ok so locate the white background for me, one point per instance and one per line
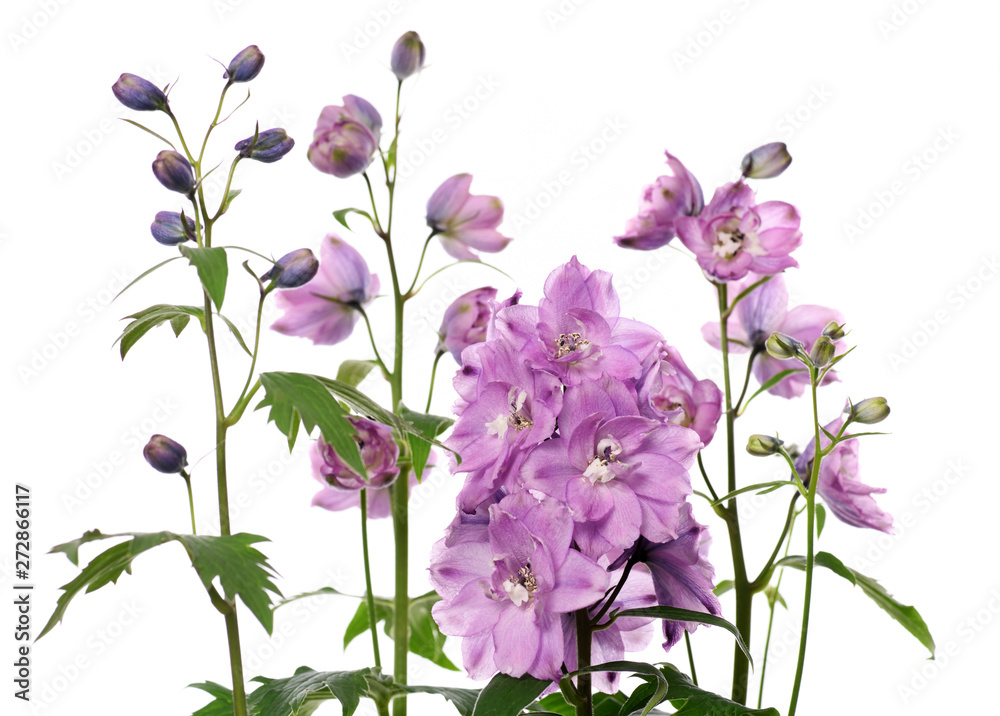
(562, 110)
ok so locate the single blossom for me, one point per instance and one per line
(669, 391)
(506, 595)
(346, 137)
(465, 321)
(849, 499)
(379, 453)
(763, 312)
(326, 309)
(465, 222)
(663, 202)
(734, 235)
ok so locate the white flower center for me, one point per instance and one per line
(599, 469)
(729, 241)
(512, 419)
(521, 586)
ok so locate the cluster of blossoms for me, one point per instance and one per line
(576, 428)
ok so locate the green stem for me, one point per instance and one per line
(253, 359)
(371, 196)
(810, 546)
(371, 337)
(770, 619)
(584, 634)
(420, 264)
(746, 381)
(187, 481)
(369, 595)
(765, 574)
(430, 391)
(744, 597)
(687, 642)
(708, 483)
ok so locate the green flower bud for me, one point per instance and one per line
(782, 346)
(767, 161)
(763, 445)
(868, 411)
(834, 331)
(822, 352)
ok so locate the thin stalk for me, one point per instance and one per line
(770, 619)
(708, 483)
(253, 360)
(371, 196)
(187, 481)
(430, 391)
(810, 547)
(420, 264)
(746, 381)
(744, 597)
(369, 595)
(765, 574)
(694, 674)
(584, 634)
(371, 337)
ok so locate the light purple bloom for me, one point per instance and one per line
(464, 222)
(346, 137)
(734, 235)
(506, 595)
(663, 202)
(669, 391)
(325, 309)
(849, 499)
(379, 453)
(762, 313)
(465, 321)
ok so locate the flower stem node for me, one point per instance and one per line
(868, 411)
(141, 95)
(292, 270)
(408, 55)
(245, 66)
(782, 346)
(165, 455)
(267, 146)
(767, 161)
(171, 228)
(174, 172)
(763, 445)
(822, 352)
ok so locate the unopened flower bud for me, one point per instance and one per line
(767, 161)
(868, 411)
(782, 346)
(407, 55)
(822, 352)
(136, 93)
(268, 146)
(834, 331)
(174, 172)
(245, 66)
(292, 270)
(171, 228)
(465, 321)
(164, 454)
(763, 445)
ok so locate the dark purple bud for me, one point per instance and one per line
(171, 228)
(136, 93)
(245, 66)
(407, 55)
(174, 172)
(293, 269)
(164, 454)
(270, 146)
(766, 161)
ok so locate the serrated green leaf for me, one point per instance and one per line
(643, 670)
(295, 397)
(221, 705)
(907, 616)
(464, 700)
(820, 519)
(352, 372)
(506, 696)
(283, 697)
(426, 639)
(689, 700)
(213, 270)
(341, 216)
(429, 426)
(687, 615)
(148, 318)
(242, 570)
(236, 332)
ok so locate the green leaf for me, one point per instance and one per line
(645, 671)
(774, 596)
(143, 275)
(236, 333)
(149, 318)
(463, 699)
(820, 519)
(426, 639)
(306, 595)
(213, 270)
(506, 696)
(233, 193)
(295, 397)
(150, 131)
(303, 693)
(907, 616)
(724, 586)
(686, 615)
(352, 372)
(764, 487)
(242, 570)
(429, 426)
(222, 705)
(689, 700)
(391, 154)
(341, 216)
(770, 383)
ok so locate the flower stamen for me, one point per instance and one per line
(521, 587)
(568, 343)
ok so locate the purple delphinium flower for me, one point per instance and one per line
(379, 453)
(764, 312)
(464, 222)
(325, 309)
(663, 202)
(465, 321)
(346, 137)
(669, 391)
(734, 235)
(849, 499)
(506, 595)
